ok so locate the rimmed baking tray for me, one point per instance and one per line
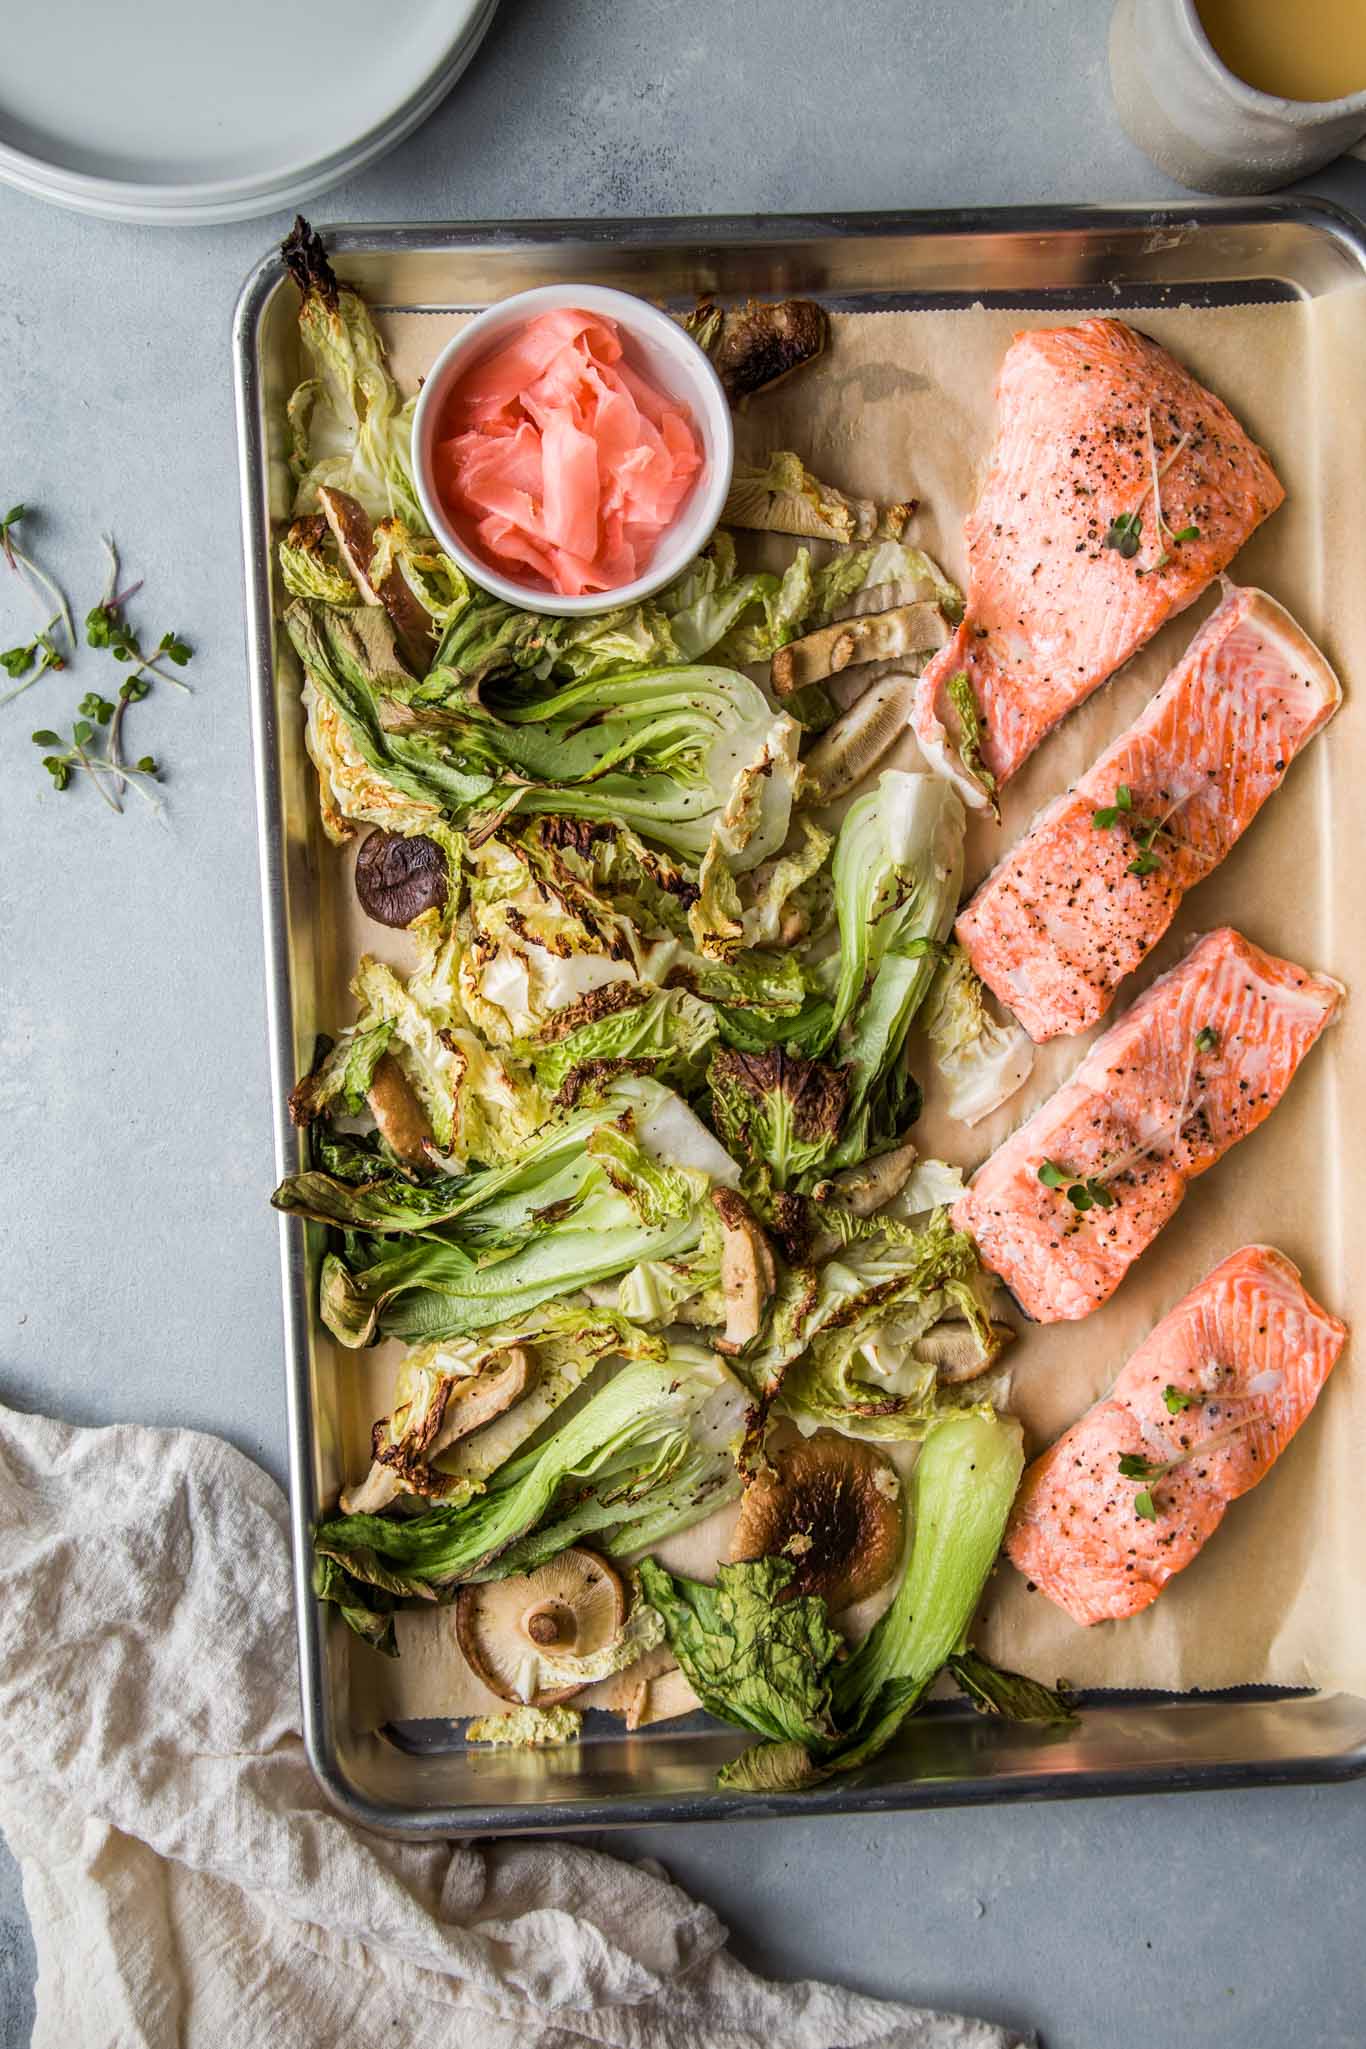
(419, 1780)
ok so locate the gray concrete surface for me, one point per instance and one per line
(137, 1259)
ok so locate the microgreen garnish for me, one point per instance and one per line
(99, 718)
(31, 659)
(1146, 831)
(960, 694)
(106, 627)
(78, 757)
(1177, 1399)
(1126, 528)
(1134, 1466)
(1125, 535)
(1207, 1040)
(1083, 1192)
(1108, 813)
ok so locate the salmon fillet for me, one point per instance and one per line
(1196, 1064)
(1084, 414)
(1063, 918)
(1248, 1350)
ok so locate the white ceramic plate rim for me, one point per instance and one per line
(219, 200)
(682, 541)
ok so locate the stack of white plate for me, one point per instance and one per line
(182, 113)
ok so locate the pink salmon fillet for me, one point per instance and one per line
(1063, 918)
(1249, 1350)
(1196, 1064)
(1084, 414)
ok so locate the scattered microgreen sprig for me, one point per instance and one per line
(1207, 1040)
(29, 660)
(1082, 1191)
(98, 717)
(107, 771)
(1146, 831)
(106, 627)
(1134, 1466)
(1125, 532)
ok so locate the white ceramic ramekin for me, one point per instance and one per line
(663, 352)
(1201, 124)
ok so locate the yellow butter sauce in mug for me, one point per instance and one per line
(1297, 49)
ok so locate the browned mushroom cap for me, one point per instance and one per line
(570, 1607)
(396, 1110)
(833, 1506)
(398, 877)
(755, 346)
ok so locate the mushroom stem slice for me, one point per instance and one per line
(749, 1272)
(872, 637)
(858, 739)
(503, 1625)
(661, 1699)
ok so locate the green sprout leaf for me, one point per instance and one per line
(1207, 1040)
(1054, 1176)
(1145, 1506)
(1126, 534)
(1178, 1398)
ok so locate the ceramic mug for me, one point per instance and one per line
(1201, 124)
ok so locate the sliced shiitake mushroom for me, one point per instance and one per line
(394, 1105)
(355, 538)
(872, 1184)
(748, 1272)
(956, 1351)
(570, 1607)
(399, 876)
(833, 1506)
(463, 1406)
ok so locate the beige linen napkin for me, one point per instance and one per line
(188, 1887)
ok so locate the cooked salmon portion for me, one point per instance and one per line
(1118, 489)
(1063, 1209)
(1092, 887)
(1199, 1415)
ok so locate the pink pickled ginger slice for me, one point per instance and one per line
(559, 463)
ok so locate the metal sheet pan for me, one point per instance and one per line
(418, 1781)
